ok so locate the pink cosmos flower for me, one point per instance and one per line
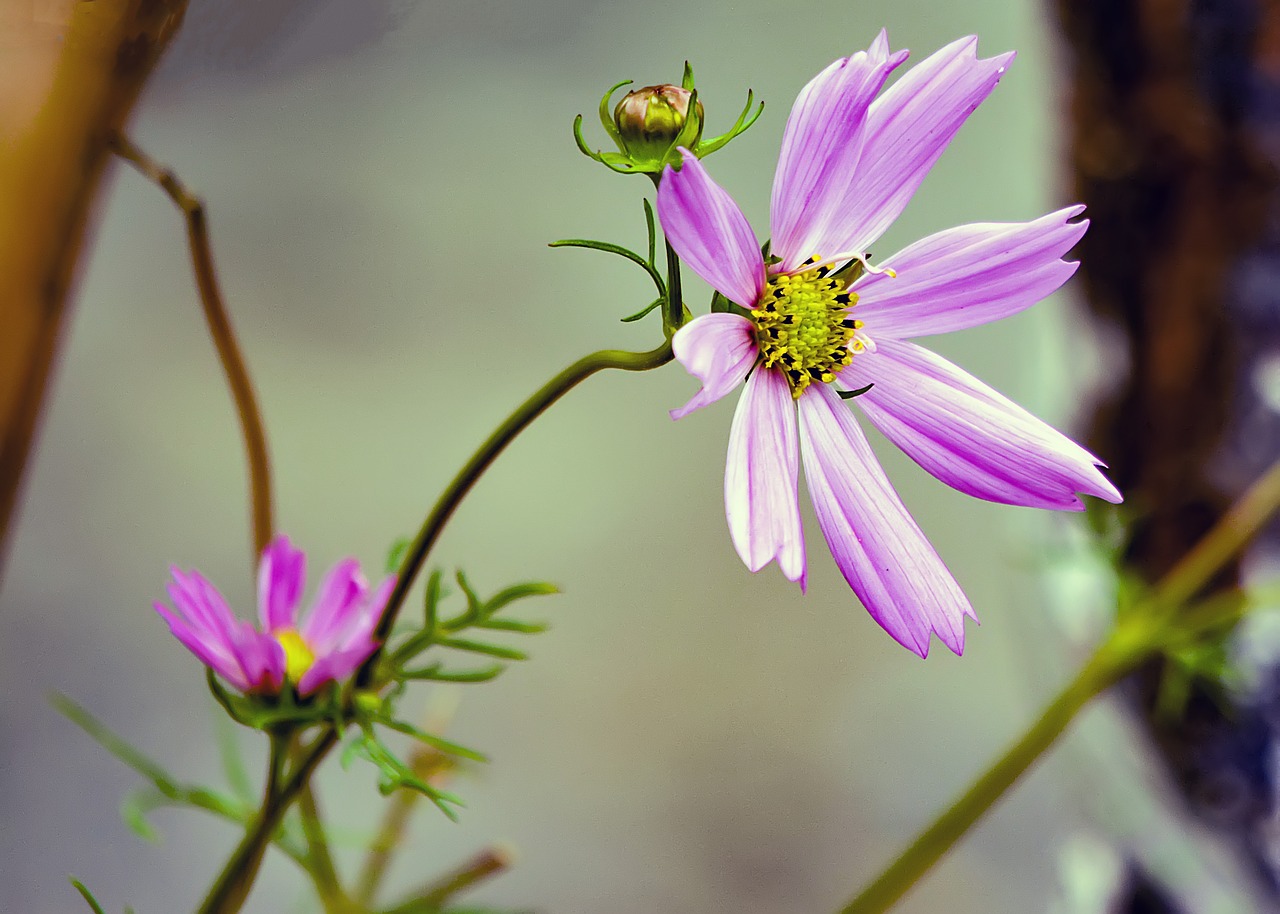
(335, 638)
(849, 164)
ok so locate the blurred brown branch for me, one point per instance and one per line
(70, 72)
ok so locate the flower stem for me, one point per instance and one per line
(232, 886)
(1097, 675)
(224, 338)
(674, 315)
(1138, 636)
(480, 461)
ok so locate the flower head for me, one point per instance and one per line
(328, 645)
(816, 325)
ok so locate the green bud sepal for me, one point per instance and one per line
(649, 126)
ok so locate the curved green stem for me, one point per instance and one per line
(1138, 636)
(1099, 673)
(481, 460)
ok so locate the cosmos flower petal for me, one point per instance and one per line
(876, 544)
(709, 232)
(338, 632)
(281, 574)
(262, 657)
(762, 477)
(341, 593)
(968, 435)
(335, 665)
(908, 128)
(717, 349)
(208, 646)
(821, 148)
(201, 603)
(970, 275)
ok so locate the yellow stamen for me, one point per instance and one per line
(803, 325)
(297, 655)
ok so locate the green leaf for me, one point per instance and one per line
(643, 311)
(107, 739)
(518, 592)
(397, 552)
(618, 249)
(86, 895)
(448, 747)
(481, 647)
(514, 625)
(436, 673)
(395, 774)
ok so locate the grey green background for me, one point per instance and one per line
(689, 737)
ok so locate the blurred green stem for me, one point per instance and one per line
(1136, 637)
(484, 457)
(232, 886)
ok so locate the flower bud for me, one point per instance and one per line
(651, 118)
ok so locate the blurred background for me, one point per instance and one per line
(382, 180)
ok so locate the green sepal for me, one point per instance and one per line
(614, 160)
(686, 81)
(606, 115)
(687, 137)
(740, 126)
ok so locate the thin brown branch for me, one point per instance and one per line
(488, 863)
(224, 338)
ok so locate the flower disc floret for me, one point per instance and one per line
(803, 326)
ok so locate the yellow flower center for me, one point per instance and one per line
(297, 655)
(803, 326)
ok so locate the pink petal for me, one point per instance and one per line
(821, 149)
(281, 575)
(341, 593)
(709, 232)
(908, 128)
(970, 436)
(335, 666)
(762, 477)
(208, 647)
(717, 349)
(969, 275)
(877, 545)
(262, 658)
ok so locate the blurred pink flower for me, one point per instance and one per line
(328, 646)
(849, 164)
